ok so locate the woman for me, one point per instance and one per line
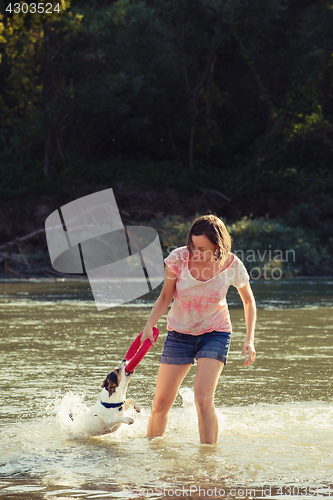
(197, 276)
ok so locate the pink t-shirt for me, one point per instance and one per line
(201, 306)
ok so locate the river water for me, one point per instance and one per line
(275, 418)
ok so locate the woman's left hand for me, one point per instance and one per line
(249, 347)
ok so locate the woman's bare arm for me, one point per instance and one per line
(250, 313)
(161, 304)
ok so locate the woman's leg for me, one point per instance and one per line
(208, 373)
(169, 378)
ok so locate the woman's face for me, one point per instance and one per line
(203, 249)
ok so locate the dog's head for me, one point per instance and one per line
(115, 377)
(112, 381)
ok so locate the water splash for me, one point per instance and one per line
(258, 445)
(67, 410)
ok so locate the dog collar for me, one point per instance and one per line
(112, 405)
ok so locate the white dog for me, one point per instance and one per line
(107, 414)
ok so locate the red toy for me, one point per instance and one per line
(137, 351)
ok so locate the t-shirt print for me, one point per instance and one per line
(201, 306)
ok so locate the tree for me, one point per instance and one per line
(35, 87)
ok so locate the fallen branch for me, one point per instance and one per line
(15, 272)
(23, 256)
(17, 241)
(7, 256)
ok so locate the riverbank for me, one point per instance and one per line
(270, 247)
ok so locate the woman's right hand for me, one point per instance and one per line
(148, 334)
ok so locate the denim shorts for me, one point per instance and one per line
(182, 348)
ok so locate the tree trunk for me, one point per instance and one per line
(171, 137)
(210, 78)
(61, 152)
(48, 87)
(264, 94)
(46, 169)
(208, 73)
(191, 149)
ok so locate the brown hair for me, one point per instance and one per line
(214, 229)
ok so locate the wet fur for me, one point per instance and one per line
(100, 420)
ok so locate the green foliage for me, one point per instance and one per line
(173, 231)
(145, 173)
(296, 250)
(20, 179)
(260, 242)
(111, 91)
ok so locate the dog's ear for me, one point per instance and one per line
(111, 389)
(109, 386)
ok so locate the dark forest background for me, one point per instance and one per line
(183, 108)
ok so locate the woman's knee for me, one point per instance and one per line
(161, 405)
(204, 402)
